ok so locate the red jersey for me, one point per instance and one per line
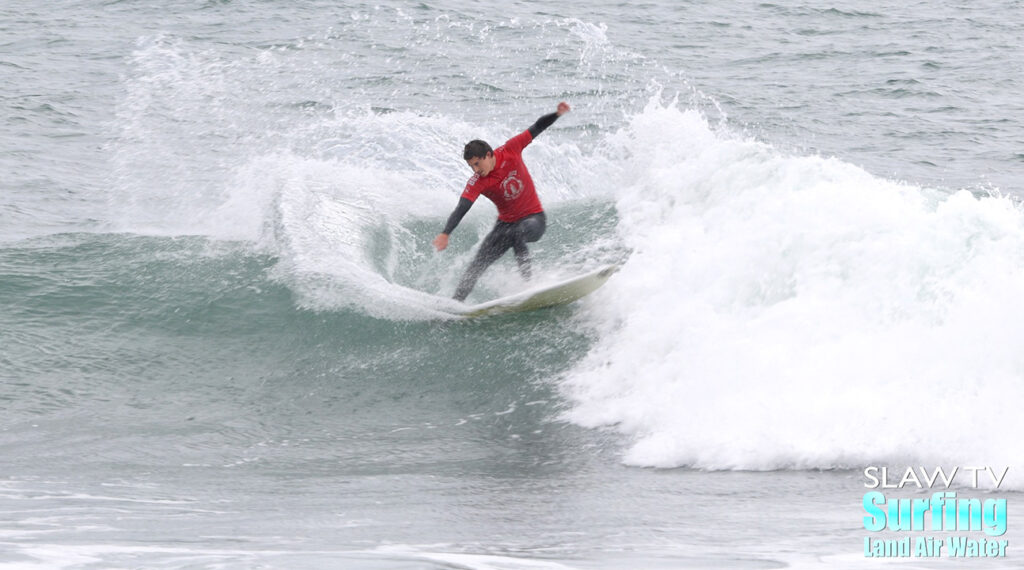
(509, 185)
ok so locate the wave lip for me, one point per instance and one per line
(798, 312)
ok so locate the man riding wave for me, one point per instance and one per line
(501, 176)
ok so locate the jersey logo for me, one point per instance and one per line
(512, 186)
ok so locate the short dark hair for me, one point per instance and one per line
(476, 149)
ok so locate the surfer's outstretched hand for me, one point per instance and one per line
(563, 108)
(441, 242)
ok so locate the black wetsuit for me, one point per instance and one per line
(505, 235)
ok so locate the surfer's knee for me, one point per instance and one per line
(532, 228)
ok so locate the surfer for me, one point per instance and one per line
(501, 176)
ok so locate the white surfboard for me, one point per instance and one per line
(546, 296)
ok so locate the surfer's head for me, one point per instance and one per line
(479, 157)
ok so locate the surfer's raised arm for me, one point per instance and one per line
(548, 120)
(480, 157)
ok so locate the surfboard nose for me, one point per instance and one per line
(607, 271)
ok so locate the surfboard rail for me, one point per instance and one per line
(541, 297)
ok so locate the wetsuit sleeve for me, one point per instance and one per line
(453, 220)
(542, 123)
(517, 143)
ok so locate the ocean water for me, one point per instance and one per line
(223, 337)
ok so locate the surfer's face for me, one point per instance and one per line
(482, 166)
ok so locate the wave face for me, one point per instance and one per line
(797, 312)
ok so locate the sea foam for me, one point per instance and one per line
(798, 312)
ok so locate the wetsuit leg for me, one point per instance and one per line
(527, 230)
(503, 237)
(494, 246)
